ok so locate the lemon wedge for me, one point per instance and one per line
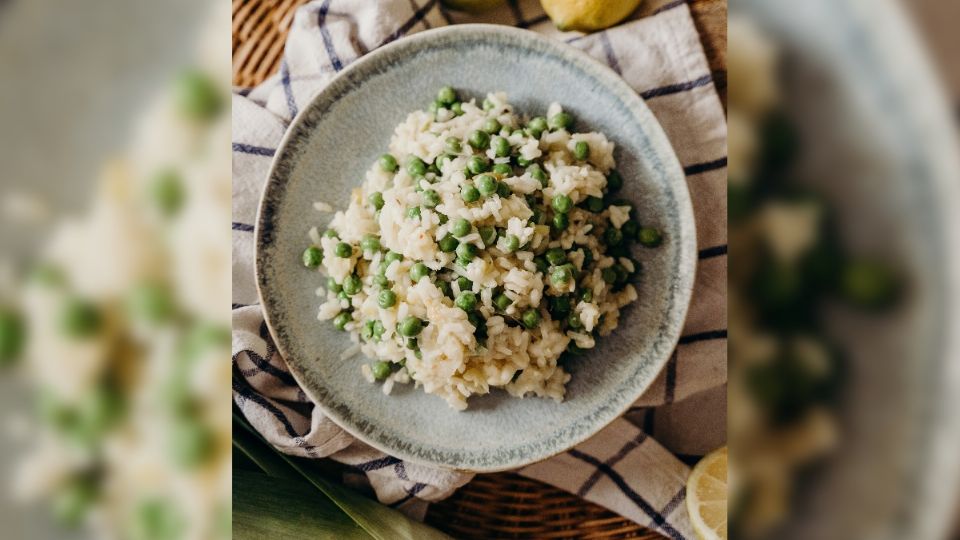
(707, 496)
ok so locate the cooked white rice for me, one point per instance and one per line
(453, 356)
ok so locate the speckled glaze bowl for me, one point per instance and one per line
(326, 153)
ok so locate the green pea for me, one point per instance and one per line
(560, 222)
(487, 104)
(573, 321)
(559, 306)
(447, 95)
(621, 274)
(614, 181)
(416, 167)
(442, 218)
(561, 120)
(341, 320)
(430, 198)
(80, 319)
(469, 193)
(376, 200)
(366, 332)
(452, 145)
(47, 275)
(167, 192)
(538, 174)
(503, 190)
(512, 243)
(466, 301)
(342, 295)
(343, 250)
(581, 150)
(370, 243)
(413, 212)
(448, 243)
(478, 322)
(445, 288)
(537, 126)
(560, 275)
(867, 283)
(491, 126)
(151, 302)
(479, 139)
(381, 280)
(330, 233)
(523, 162)
(433, 107)
(612, 236)
(410, 327)
(556, 256)
(486, 184)
(609, 275)
(387, 299)
(197, 96)
(443, 160)
(586, 295)
(500, 146)
(466, 252)
(530, 318)
(488, 234)
(457, 109)
(464, 283)
(312, 257)
(594, 204)
(503, 169)
(460, 228)
(630, 230)
(502, 301)
(419, 271)
(542, 264)
(332, 285)
(380, 370)
(478, 164)
(352, 284)
(561, 203)
(388, 163)
(73, 500)
(649, 237)
(13, 333)
(537, 216)
(392, 256)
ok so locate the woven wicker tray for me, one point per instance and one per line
(498, 505)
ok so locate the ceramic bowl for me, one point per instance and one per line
(326, 152)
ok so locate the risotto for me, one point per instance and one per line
(484, 250)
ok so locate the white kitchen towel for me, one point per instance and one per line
(623, 468)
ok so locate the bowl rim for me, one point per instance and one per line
(687, 245)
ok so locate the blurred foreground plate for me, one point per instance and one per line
(879, 141)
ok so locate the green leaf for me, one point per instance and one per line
(379, 521)
(267, 507)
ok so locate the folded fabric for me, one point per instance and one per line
(622, 468)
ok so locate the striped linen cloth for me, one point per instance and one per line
(637, 465)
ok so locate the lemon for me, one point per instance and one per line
(588, 15)
(472, 6)
(707, 496)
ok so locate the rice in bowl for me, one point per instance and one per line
(482, 251)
